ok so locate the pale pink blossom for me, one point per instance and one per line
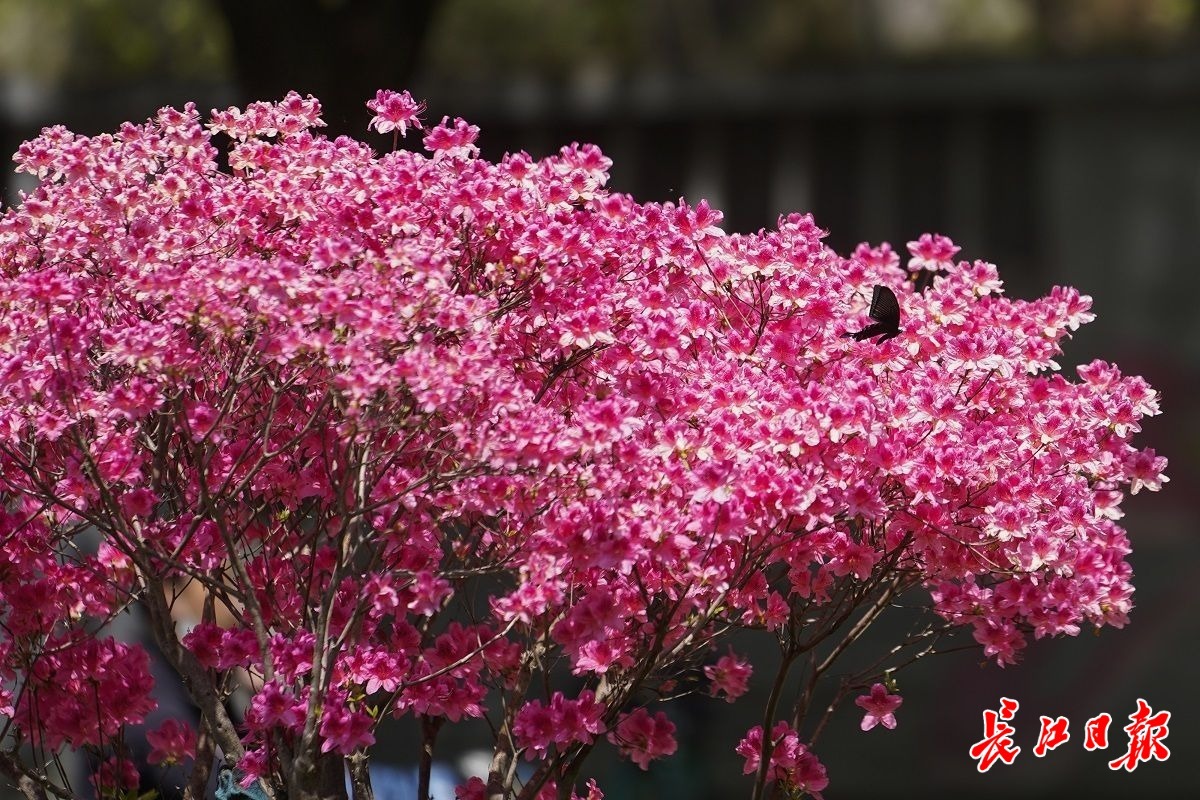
(395, 111)
(932, 252)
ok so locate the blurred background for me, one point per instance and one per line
(1059, 139)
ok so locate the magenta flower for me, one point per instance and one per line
(562, 723)
(643, 738)
(394, 111)
(171, 743)
(455, 140)
(792, 764)
(115, 676)
(534, 728)
(275, 706)
(932, 251)
(730, 676)
(473, 789)
(880, 707)
(139, 502)
(115, 777)
(204, 640)
(343, 728)
(433, 435)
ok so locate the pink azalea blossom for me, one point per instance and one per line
(593, 791)
(730, 676)
(456, 139)
(434, 436)
(880, 707)
(395, 111)
(275, 706)
(932, 251)
(171, 743)
(563, 722)
(139, 502)
(71, 672)
(473, 789)
(643, 738)
(114, 777)
(343, 728)
(791, 762)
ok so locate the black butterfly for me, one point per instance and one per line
(885, 310)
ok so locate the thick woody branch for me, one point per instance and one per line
(196, 679)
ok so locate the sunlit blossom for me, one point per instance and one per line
(433, 430)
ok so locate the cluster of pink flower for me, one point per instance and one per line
(792, 763)
(345, 391)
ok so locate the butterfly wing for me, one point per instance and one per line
(885, 310)
(230, 788)
(226, 785)
(884, 307)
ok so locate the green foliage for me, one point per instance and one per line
(100, 42)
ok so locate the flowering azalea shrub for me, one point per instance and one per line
(444, 438)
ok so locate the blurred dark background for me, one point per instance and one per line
(1057, 138)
